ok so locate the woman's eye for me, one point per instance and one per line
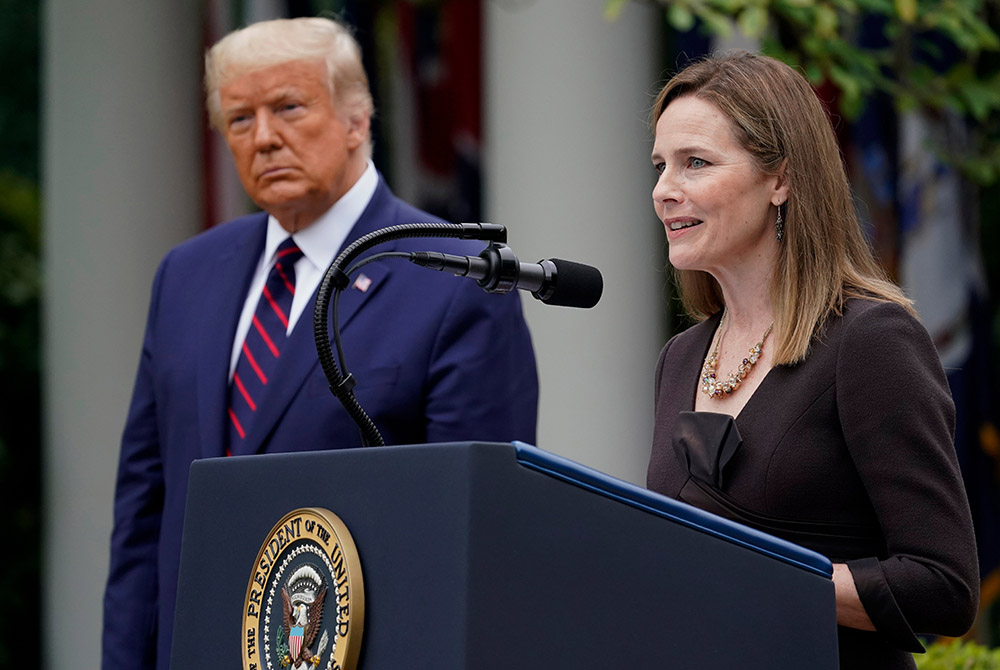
(696, 162)
(660, 167)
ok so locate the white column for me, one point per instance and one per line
(568, 173)
(122, 184)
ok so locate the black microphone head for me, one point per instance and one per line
(575, 285)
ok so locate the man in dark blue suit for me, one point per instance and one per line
(435, 358)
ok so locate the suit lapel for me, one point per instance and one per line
(380, 213)
(299, 356)
(223, 302)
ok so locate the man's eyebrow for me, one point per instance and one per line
(228, 110)
(283, 93)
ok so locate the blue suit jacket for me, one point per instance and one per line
(436, 360)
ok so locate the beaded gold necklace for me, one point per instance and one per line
(712, 386)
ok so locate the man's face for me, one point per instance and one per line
(295, 155)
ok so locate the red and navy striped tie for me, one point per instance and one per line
(262, 348)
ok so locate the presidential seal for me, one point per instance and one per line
(305, 602)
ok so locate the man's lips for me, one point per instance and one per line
(274, 172)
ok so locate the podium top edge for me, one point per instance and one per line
(600, 483)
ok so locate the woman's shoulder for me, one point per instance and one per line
(870, 333)
(874, 308)
(871, 317)
(867, 328)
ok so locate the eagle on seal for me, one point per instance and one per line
(302, 603)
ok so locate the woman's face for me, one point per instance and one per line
(717, 207)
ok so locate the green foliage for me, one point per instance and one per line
(20, 420)
(281, 646)
(20, 393)
(958, 656)
(936, 56)
(20, 245)
(19, 96)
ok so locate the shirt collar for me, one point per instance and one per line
(321, 240)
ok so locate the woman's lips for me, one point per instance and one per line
(680, 224)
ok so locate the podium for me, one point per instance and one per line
(485, 555)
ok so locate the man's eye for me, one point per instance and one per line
(660, 167)
(239, 121)
(696, 162)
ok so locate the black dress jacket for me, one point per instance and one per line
(849, 453)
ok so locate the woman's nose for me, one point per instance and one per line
(666, 187)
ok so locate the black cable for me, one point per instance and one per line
(336, 301)
(335, 279)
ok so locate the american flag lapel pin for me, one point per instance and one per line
(363, 282)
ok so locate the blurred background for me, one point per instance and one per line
(528, 113)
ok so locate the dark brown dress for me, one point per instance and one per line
(849, 453)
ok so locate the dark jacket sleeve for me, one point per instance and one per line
(130, 597)
(898, 420)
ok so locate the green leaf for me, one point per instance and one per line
(906, 10)
(796, 15)
(883, 7)
(957, 655)
(813, 44)
(952, 26)
(753, 21)
(813, 73)
(905, 102)
(851, 100)
(731, 6)
(613, 9)
(981, 100)
(794, 3)
(983, 34)
(848, 6)
(826, 21)
(716, 22)
(851, 106)
(680, 17)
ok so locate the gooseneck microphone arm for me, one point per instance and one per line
(336, 279)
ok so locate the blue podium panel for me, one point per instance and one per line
(494, 556)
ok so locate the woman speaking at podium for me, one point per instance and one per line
(808, 401)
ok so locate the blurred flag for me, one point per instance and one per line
(429, 56)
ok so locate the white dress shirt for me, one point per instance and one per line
(319, 243)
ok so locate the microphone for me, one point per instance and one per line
(497, 270)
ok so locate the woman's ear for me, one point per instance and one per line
(779, 193)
